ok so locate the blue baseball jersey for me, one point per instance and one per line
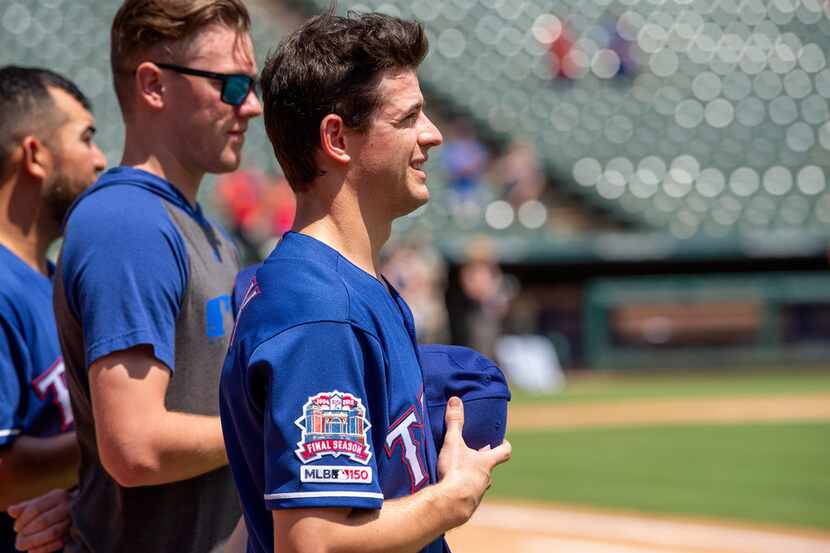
(34, 399)
(322, 396)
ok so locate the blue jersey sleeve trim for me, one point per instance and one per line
(298, 495)
(15, 366)
(8, 436)
(328, 501)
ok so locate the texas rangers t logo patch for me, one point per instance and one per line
(333, 423)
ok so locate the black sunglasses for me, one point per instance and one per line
(235, 88)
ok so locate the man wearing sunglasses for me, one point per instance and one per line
(235, 88)
(143, 283)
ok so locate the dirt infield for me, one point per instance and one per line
(516, 527)
(671, 411)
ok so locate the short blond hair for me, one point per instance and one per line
(142, 25)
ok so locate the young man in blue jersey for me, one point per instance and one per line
(47, 158)
(322, 394)
(143, 283)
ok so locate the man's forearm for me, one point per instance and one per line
(404, 525)
(169, 447)
(191, 445)
(32, 466)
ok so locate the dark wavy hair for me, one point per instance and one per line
(26, 106)
(331, 64)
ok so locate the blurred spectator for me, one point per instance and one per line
(238, 193)
(464, 158)
(561, 63)
(278, 206)
(487, 296)
(258, 207)
(622, 47)
(519, 172)
(420, 275)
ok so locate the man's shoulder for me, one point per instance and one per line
(293, 291)
(20, 298)
(115, 204)
(119, 238)
(117, 220)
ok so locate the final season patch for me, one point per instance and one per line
(333, 423)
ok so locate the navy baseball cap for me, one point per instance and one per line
(478, 381)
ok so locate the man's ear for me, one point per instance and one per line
(149, 85)
(333, 138)
(36, 159)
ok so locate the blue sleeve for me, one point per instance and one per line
(13, 354)
(319, 450)
(125, 271)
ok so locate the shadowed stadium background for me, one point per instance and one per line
(630, 212)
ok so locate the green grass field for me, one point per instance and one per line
(622, 386)
(772, 473)
(776, 473)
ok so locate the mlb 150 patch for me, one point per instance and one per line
(336, 475)
(333, 423)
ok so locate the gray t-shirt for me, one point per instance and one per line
(140, 265)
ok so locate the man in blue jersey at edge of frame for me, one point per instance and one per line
(322, 394)
(47, 158)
